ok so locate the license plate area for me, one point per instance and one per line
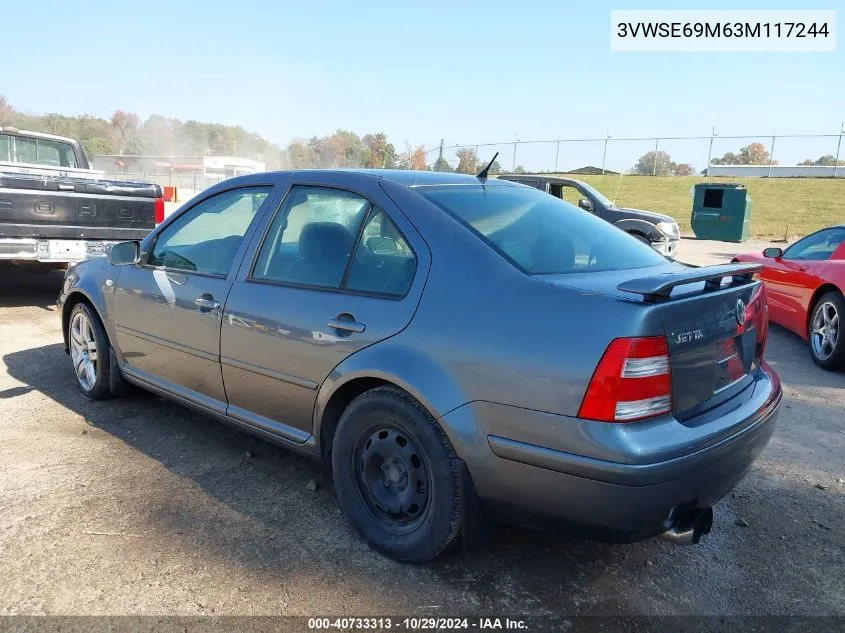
(67, 250)
(734, 358)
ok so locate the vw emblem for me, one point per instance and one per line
(740, 311)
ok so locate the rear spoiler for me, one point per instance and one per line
(658, 288)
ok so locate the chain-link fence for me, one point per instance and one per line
(777, 154)
(193, 181)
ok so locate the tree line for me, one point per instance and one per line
(125, 133)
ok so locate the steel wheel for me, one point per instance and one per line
(824, 330)
(83, 350)
(393, 478)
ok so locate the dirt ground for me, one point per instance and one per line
(142, 507)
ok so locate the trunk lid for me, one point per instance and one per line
(715, 321)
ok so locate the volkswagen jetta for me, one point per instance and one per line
(454, 347)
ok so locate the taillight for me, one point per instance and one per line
(159, 210)
(757, 316)
(633, 381)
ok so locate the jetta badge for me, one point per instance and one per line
(740, 311)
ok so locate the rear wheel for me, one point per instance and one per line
(397, 476)
(826, 345)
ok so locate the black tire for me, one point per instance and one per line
(100, 387)
(386, 427)
(830, 356)
(642, 238)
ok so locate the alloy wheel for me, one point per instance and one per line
(83, 350)
(824, 332)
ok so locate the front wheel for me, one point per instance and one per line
(89, 352)
(397, 476)
(826, 345)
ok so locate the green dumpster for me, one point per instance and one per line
(721, 211)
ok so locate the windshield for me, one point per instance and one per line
(539, 233)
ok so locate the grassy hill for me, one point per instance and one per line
(779, 205)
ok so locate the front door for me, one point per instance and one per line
(791, 279)
(337, 271)
(168, 307)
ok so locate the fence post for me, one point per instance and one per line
(710, 151)
(838, 147)
(771, 154)
(557, 153)
(654, 166)
(604, 154)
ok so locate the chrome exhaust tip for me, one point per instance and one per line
(689, 529)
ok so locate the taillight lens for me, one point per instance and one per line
(757, 316)
(159, 210)
(633, 381)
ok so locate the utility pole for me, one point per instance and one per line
(440, 157)
(557, 153)
(516, 137)
(604, 155)
(710, 151)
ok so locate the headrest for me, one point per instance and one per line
(324, 239)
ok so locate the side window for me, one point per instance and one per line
(384, 262)
(55, 153)
(26, 150)
(206, 238)
(571, 195)
(5, 148)
(817, 247)
(311, 237)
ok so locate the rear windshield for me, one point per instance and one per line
(541, 234)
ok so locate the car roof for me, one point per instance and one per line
(408, 178)
(542, 177)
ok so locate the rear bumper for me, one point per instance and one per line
(56, 251)
(621, 485)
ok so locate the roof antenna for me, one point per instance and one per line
(482, 175)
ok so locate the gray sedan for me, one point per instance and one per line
(457, 349)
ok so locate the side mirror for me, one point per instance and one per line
(773, 252)
(125, 253)
(585, 204)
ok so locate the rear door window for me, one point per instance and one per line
(311, 237)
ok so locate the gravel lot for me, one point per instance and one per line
(142, 507)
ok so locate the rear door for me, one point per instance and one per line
(338, 269)
(168, 308)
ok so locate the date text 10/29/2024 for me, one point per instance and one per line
(417, 624)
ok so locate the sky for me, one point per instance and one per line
(466, 72)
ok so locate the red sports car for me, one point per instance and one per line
(805, 285)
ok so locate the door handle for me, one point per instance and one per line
(346, 323)
(208, 302)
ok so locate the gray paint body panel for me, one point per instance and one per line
(501, 359)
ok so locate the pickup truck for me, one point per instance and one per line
(54, 208)
(659, 231)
